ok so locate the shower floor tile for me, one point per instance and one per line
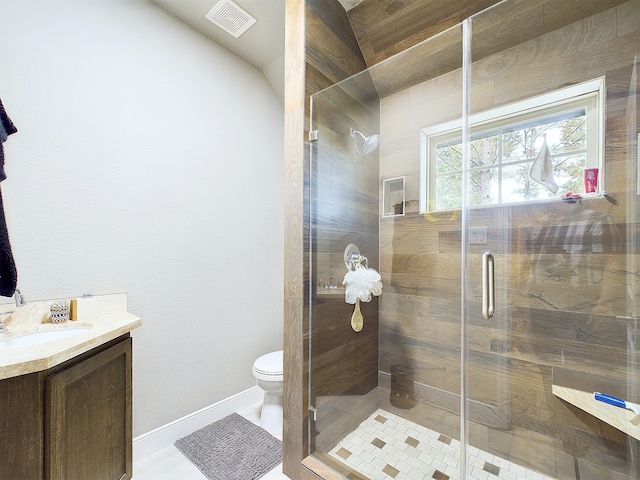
(388, 447)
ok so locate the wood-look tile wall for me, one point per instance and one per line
(559, 310)
(386, 27)
(320, 51)
(294, 354)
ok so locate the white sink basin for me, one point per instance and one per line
(38, 338)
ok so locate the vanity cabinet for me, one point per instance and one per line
(72, 422)
(21, 426)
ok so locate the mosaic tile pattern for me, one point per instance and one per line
(388, 447)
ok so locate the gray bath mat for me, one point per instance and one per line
(232, 448)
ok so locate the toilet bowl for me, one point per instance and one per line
(268, 371)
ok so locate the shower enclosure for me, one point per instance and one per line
(501, 209)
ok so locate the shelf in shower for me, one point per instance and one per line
(615, 416)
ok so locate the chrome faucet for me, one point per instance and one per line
(20, 301)
(2, 327)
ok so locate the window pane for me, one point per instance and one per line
(517, 186)
(562, 137)
(572, 136)
(485, 187)
(448, 192)
(569, 173)
(484, 151)
(519, 145)
(449, 159)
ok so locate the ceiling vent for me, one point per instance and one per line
(230, 17)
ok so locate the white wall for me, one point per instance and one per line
(149, 161)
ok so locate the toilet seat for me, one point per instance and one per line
(269, 367)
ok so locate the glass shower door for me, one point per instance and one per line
(394, 385)
(550, 224)
(343, 372)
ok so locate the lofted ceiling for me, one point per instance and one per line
(262, 44)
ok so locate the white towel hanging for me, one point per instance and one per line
(542, 169)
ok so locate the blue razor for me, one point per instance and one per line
(618, 402)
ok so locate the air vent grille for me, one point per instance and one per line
(230, 17)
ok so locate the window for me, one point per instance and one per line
(504, 144)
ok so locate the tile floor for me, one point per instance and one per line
(388, 447)
(171, 464)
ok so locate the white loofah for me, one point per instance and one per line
(361, 284)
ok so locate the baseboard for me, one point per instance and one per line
(166, 435)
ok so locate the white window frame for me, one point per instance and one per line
(529, 107)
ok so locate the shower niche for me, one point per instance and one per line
(393, 197)
(329, 282)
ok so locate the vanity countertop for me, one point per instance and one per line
(113, 322)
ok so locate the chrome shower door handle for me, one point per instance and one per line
(488, 286)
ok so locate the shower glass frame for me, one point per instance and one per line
(565, 270)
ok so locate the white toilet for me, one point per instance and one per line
(268, 371)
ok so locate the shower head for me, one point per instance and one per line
(369, 144)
